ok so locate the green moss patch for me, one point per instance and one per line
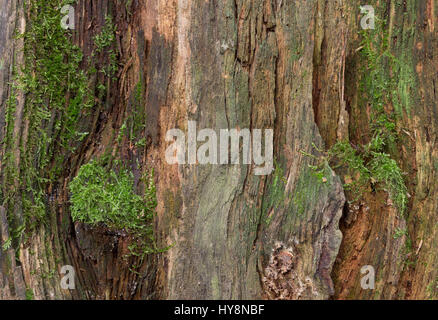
(105, 196)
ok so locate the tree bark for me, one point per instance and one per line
(291, 66)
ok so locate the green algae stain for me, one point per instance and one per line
(310, 185)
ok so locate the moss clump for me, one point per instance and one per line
(105, 40)
(372, 162)
(106, 37)
(384, 169)
(56, 97)
(105, 196)
(29, 294)
(369, 165)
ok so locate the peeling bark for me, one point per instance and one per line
(290, 66)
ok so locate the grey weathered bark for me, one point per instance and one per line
(292, 66)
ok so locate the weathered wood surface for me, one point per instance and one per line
(288, 65)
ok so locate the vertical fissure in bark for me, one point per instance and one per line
(292, 66)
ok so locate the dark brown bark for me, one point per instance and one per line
(293, 66)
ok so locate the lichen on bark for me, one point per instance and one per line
(130, 71)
